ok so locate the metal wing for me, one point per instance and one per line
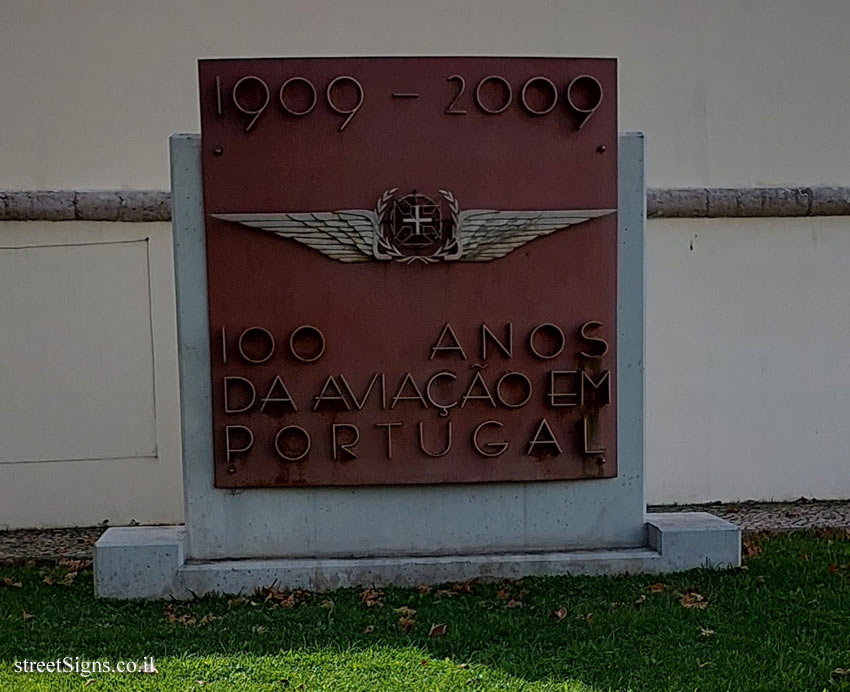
(487, 234)
(345, 236)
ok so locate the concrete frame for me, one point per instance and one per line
(322, 538)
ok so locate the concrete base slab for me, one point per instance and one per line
(148, 562)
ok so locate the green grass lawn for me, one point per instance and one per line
(782, 623)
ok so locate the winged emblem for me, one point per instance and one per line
(415, 228)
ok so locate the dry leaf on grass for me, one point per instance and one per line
(74, 565)
(327, 603)
(657, 587)
(751, 547)
(173, 617)
(437, 630)
(424, 589)
(513, 604)
(369, 629)
(558, 614)
(706, 632)
(372, 598)
(692, 599)
(841, 672)
(502, 595)
(283, 599)
(407, 621)
(26, 616)
(8, 581)
(463, 587)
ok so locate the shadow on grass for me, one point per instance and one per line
(779, 623)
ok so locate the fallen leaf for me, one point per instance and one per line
(588, 617)
(692, 599)
(259, 629)
(706, 632)
(462, 587)
(8, 581)
(173, 617)
(327, 603)
(281, 598)
(26, 616)
(558, 614)
(437, 630)
(407, 622)
(502, 595)
(446, 592)
(207, 619)
(372, 598)
(513, 604)
(841, 672)
(48, 581)
(833, 568)
(657, 587)
(751, 547)
(705, 664)
(75, 565)
(30, 563)
(641, 598)
(68, 579)
(423, 589)
(369, 629)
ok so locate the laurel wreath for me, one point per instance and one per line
(449, 246)
(380, 208)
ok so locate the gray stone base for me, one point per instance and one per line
(148, 562)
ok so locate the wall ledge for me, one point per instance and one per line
(662, 203)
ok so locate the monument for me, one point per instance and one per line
(410, 325)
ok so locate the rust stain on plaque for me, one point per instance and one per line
(412, 269)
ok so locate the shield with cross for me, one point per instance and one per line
(417, 225)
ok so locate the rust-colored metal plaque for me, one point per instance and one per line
(412, 269)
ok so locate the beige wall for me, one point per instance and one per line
(748, 359)
(747, 367)
(88, 392)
